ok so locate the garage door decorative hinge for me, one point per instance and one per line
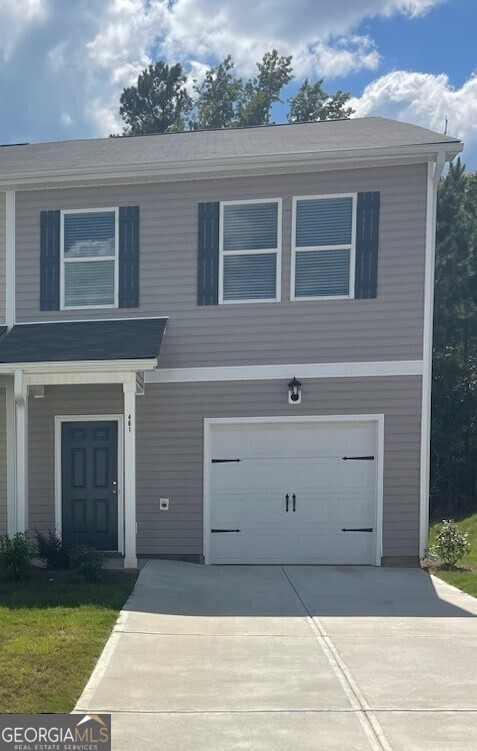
(358, 529)
(215, 531)
(358, 458)
(225, 461)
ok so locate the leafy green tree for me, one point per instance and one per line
(312, 102)
(454, 425)
(227, 101)
(262, 91)
(217, 97)
(160, 101)
(157, 103)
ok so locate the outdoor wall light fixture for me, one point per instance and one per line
(294, 392)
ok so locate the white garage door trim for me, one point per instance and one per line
(378, 420)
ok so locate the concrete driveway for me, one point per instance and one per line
(290, 658)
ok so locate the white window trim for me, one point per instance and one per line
(96, 259)
(277, 251)
(299, 249)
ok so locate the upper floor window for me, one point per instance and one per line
(89, 258)
(250, 251)
(323, 247)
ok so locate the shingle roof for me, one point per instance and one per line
(174, 148)
(131, 339)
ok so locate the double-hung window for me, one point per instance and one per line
(250, 251)
(89, 258)
(323, 247)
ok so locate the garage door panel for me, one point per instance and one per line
(312, 474)
(316, 509)
(269, 545)
(357, 439)
(250, 475)
(357, 475)
(354, 547)
(269, 442)
(305, 460)
(357, 510)
(230, 442)
(312, 546)
(267, 474)
(228, 510)
(247, 509)
(232, 547)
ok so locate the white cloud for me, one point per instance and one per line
(423, 99)
(17, 16)
(318, 33)
(76, 57)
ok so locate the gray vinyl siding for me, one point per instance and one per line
(387, 328)
(58, 400)
(170, 424)
(2, 255)
(3, 463)
(170, 430)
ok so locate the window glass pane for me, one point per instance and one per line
(250, 277)
(89, 283)
(322, 273)
(324, 221)
(250, 226)
(89, 234)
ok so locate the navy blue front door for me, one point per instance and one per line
(89, 461)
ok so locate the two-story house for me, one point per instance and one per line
(217, 345)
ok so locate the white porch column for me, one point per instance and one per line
(130, 556)
(10, 411)
(21, 452)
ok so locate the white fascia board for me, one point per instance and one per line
(218, 166)
(300, 370)
(75, 366)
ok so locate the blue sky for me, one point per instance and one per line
(63, 63)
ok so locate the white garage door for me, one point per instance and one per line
(293, 493)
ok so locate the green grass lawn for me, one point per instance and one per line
(466, 580)
(51, 634)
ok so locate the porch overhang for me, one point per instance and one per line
(73, 351)
(76, 353)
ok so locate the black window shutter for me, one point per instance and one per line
(208, 254)
(367, 235)
(129, 257)
(50, 260)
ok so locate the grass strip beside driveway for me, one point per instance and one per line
(52, 632)
(465, 577)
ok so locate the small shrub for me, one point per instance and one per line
(52, 550)
(85, 563)
(15, 556)
(451, 544)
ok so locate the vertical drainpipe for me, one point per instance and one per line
(434, 171)
(9, 388)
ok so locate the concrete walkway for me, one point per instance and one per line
(290, 658)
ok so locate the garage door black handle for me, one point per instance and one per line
(287, 499)
(214, 531)
(294, 502)
(358, 529)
